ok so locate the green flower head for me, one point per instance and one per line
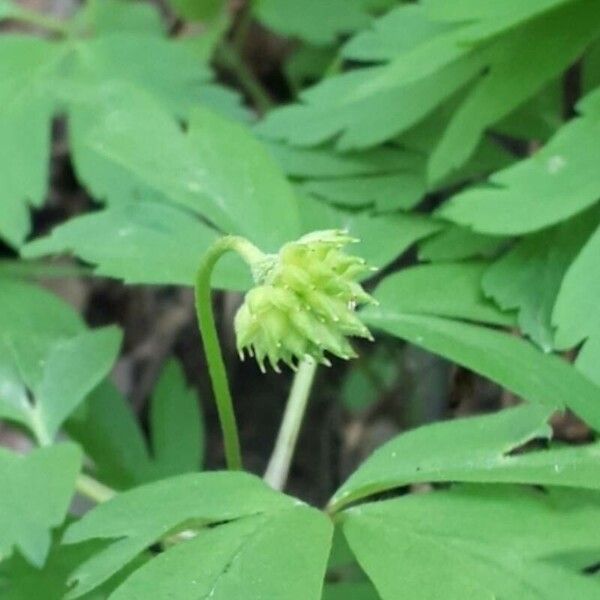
(304, 303)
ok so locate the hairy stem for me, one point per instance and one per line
(210, 340)
(94, 490)
(279, 465)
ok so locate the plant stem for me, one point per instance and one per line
(279, 465)
(94, 490)
(231, 60)
(43, 21)
(210, 340)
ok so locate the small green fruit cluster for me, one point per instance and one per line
(305, 303)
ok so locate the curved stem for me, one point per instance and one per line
(210, 340)
(94, 490)
(279, 465)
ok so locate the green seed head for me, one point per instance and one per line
(304, 303)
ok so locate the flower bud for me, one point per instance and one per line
(304, 303)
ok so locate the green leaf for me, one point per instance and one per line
(105, 426)
(512, 362)
(26, 105)
(176, 425)
(477, 449)
(554, 184)
(475, 543)
(19, 580)
(72, 369)
(109, 432)
(312, 20)
(281, 555)
(529, 275)
(457, 243)
(58, 376)
(446, 290)
(111, 16)
(217, 170)
(389, 178)
(266, 523)
(144, 242)
(522, 67)
(576, 314)
(326, 163)
(36, 492)
(164, 69)
(366, 106)
(385, 192)
(48, 361)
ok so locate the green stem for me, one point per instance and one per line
(279, 465)
(40, 20)
(210, 340)
(94, 490)
(232, 61)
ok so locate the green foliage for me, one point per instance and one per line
(106, 427)
(457, 139)
(508, 360)
(36, 492)
(263, 543)
(41, 78)
(478, 542)
(47, 367)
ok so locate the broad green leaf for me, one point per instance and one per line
(475, 543)
(326, 163)
(280, 555)
(554, 184)
(366, 106)
(36, 492)
(458, 243)
(395, 33)
(522, 67)
(57, 376)
(388, 178)
(476, 449)
(385, 192)
(48, 361)
(512, 362)
(20, 580)
(109, 432)
(576, 313)
(72, 369)
(26, 308)
(107, 429)
(26, 104)
(111, 16)
(176, 426)
(446, 290)
(529, 275)
(165, 69)
(464, 10)
(217, 170)
(139, 518)
(315, 21)
(144, 242)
